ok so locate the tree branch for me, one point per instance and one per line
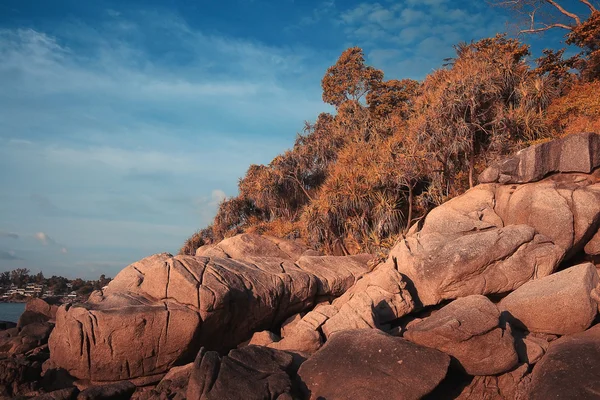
(565, 12)
(545, 28)
(590, 6)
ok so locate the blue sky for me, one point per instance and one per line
(124, 123)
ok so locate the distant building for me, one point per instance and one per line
(72, 294)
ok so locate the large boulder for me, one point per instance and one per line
(369, 364)
(494, 238)
(444, 267)
(468, 329)
(512, 385)
(248, 246)
(376, 299)
(574, 153)
(564, 208)
(570, 368)
(252, 372)
(175, 305)
(562, 303)
(37, 310)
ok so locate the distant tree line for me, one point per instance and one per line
(21, 277)
(357, 180)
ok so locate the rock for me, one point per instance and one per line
(496, 237)
(252, 372)
(530, 349)
(558, 304)
(7, 325)
(61, 394)
(248, 246)
(174, 384)
(304, 335)
(444, 267)
(369, 364)
(115, 391)
(468, 329)
(562, 208)
(570, 368)
(263, 338)
(289, 325)
(33, 335)
(175, 305)
(593, 246)
(37, 310)
(376, 299)
(509, 386)
(573, 153)
(18, 375)
(96, 344)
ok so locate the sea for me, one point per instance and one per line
(11, 311)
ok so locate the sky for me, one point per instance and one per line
(124, 123)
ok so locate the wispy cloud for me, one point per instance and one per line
(8, 255)
(11, 235)
(127, 134)
(411, 38)
(44, 239)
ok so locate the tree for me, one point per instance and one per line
(394, 96)
(349, 78)
(19, 276)
(5, 278)
(542, 15)
(583, 31)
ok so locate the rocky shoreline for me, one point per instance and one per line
(494, 295)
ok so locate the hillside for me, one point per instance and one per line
(355, 181)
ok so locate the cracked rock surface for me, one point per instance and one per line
(174, 305)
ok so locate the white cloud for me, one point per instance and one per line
(64, 250)
(44, 238)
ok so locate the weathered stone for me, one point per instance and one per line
(376, 299)
(115, 391)
(252, 372)
(560, 208)
(570, 368)
(574, 153)
(263, 338)
(558, 304)
(443, 267)
(37, 310)
(174, 305)
(509, 386)
(468, 329)
(174, 384)
(369, 364)
(61, 394)
(248, 246)
(593, 246)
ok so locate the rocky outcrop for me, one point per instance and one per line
(369, 364)
(175, 305)
(574, 153)
(512, 385)
(468, 305)
(37, 310)
(494, 238)
(248, 246)
(468, 329)
(562, 303)
(252, 372)
(570, 369)
(23, 349)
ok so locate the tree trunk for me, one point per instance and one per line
(471, 168)
(410, 207)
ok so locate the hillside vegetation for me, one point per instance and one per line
(356, 180)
